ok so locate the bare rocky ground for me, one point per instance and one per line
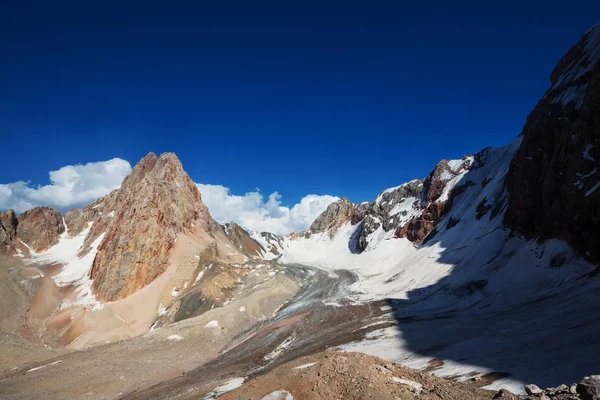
(285, 317)
(29, 370)
(334, 375)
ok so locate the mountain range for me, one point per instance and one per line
(485, 271)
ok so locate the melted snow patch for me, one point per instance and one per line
(212, 324)
(279, 395)
(175, 337)
(415, 385)
(200, 274)
(283, 346)
(592, 190)
(76, 269)
(228, 386)
(306, 365)
(43, 366)
(586, 153)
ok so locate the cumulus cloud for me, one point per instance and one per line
(252, 211)
(75, 186)
(70, 186)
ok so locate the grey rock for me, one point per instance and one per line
(333, 217)
(504, 394)
(533, 389)
(589, 388)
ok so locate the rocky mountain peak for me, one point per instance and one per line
(139, 224)
(40, 228)
(333, 217)
(570, 77)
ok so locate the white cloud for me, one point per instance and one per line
(70, 186)
(74, 186)
(252, 211)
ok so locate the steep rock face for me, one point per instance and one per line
(411, 210)
(40, 227)
(140, 222)
(333, 217)
(77, 219)
(554, 179)
(242, 240)
(8, 232)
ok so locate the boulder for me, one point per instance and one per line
(589, 388)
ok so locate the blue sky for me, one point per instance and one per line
(331, 98)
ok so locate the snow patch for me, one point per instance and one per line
(43, 366)
(586, 153)
(200, 274)
(212, 324)
(76, 269)
(175, 337)
(228, 386)
(415, 385)
(592, 190)
(279, 395)
(283, 346)
(306, 365)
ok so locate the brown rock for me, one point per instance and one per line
(140, 222)
(242, 240)
(504, 394)
(435, 206)
(8, 232)
(40, 227)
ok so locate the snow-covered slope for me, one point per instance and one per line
(469, 248)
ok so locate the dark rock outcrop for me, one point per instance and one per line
(554, 179)
(589, 388)
(440, 188)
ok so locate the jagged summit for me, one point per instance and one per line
(140, 222)
(35, 230)
(571, 77)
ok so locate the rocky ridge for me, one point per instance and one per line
(586, 389)
(242, 240)
(554, 179)
(37, 229)
(411, 210)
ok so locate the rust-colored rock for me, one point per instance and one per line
(436, 199)
(554, 179)
(40, 228)
(140, 222)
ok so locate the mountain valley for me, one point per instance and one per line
(470, 283)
